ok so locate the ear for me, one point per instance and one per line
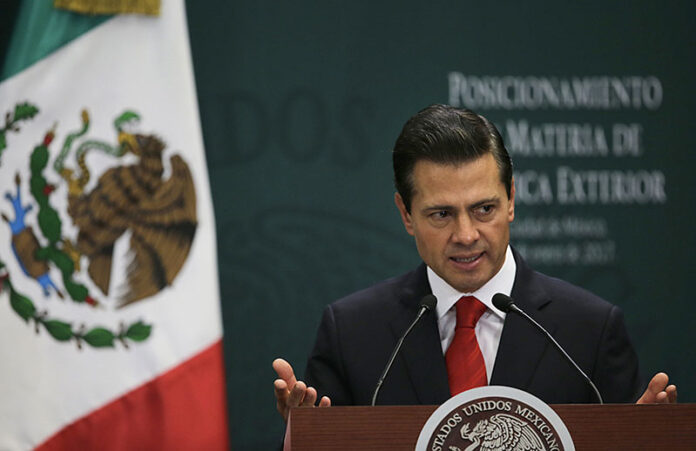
(511, 202)
(405, 215)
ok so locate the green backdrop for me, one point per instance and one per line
(302, 101)
(300, 105)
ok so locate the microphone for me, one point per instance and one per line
(428, 303)
(506, 304)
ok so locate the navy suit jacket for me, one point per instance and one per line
(358, 333)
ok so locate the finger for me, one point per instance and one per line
(656, 387)
(661, 398)
(325, 402)
(656, 390)
(671, 394)
(281, 388)
(310, 397)
(658, 383)
(285, 371)
(297, 394)
(281, 393)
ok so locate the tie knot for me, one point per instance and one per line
(469, 310)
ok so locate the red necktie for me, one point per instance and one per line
(465, 366)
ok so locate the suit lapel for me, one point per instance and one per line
(519, 352)
(521, 344)
(421, 351)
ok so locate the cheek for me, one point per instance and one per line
(432, 240)
(498, 233)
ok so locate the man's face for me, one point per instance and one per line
(460, 217)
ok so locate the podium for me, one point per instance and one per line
(591, 426)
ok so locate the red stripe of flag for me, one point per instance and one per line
(183, 408)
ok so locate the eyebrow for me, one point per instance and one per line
(490, 200)
(438, 207)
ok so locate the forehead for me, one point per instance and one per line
(467, 182)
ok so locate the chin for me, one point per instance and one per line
(470, 285)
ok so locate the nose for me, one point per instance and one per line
(465, 231)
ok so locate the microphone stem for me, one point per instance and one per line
(394, 353)
(515, 309)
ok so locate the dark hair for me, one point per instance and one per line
(446, 135)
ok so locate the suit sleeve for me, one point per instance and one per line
(617, 374)
(325, 369)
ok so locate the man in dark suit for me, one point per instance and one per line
(456, 196)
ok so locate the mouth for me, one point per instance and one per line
(467, 260)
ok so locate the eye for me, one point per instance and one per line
(440, 216)
(485, 210)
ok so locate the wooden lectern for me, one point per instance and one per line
(592, 427)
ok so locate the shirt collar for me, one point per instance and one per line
(502, 282)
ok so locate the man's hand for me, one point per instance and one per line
(658, 392)
(290, 392)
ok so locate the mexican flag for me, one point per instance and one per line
(110, 324)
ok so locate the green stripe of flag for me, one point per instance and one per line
(41, 29)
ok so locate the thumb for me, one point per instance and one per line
(285, 372)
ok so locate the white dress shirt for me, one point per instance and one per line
(490, 325)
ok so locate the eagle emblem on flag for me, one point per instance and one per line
(138, 199)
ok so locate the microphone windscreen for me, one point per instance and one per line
(502, 302)
(429, 301)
